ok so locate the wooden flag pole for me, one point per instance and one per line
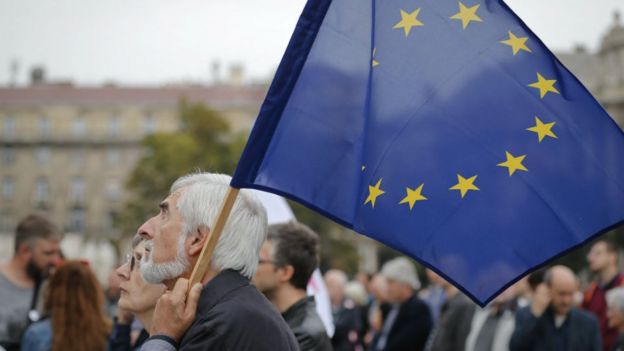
(199, 271)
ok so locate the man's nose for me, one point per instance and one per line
(145, 230)
(123, 271)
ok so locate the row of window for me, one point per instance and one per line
(79, 126)
(77, 221)
(77, 189)
(42, 155)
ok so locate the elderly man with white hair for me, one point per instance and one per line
(615, 315)
(231, 314)
(408, 323)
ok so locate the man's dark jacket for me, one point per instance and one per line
(305, 322)
(454, 324)
(579, 332)
(411, 328)
(233, 315)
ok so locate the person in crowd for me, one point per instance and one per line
(408, 323)
(288, 258)
(356, 292)
(75, 317)
(37, 250)
(454, 324)
(137, 298)
(433, 295)
(346, 315)
(232, 313)
(491, 327)
(603, 262)
(615, 315)
(364, 278)
(377, 308)
(552, 322)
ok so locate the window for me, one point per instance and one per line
(8, 156)
(79, 127)
(7, 223)
(78, 158)
(41, 190)
(8, 188)
(43, 155)
(113, 157)
(114, 126)
(9, 127)
(149, 124)
(113, 190)
(44, 127)
(77, 220)
(77, 191)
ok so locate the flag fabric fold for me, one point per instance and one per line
(444, 129)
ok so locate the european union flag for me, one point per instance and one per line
(444, 129)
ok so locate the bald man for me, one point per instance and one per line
(552, 322)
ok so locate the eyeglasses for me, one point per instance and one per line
(130, 260)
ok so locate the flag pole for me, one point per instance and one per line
(199, 271)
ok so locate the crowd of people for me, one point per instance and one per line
(254, 294)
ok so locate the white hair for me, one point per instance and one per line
(337, 276)
(245, 230)
(356, 292)
(615, 298)
(155, 273)
(402, 270)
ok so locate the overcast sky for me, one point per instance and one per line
(158, 41)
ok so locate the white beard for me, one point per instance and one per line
(155, 273)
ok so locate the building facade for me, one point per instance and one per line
(67, 151)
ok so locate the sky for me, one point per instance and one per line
(147, 42)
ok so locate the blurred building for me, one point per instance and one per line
(602, 72)
(67, 151)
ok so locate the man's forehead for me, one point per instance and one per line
(173, 197)
(46, 244)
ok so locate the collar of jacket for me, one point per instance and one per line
(219, 286)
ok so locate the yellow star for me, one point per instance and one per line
(373, 193)
(463, 185)
(408, 20)
(513, 163)
(413, 195)
(516, 43)
(544, 85)
(543, 129)
(375, 62)
(467, 14)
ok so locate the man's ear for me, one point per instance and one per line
(197, 239)
(25, 250)
(286, 273)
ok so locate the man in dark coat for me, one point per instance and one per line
(288, 258)
(551, 322)
(232, 313)
(408, 323)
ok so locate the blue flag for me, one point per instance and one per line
(443, 129)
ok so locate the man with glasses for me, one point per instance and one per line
(288, 258)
